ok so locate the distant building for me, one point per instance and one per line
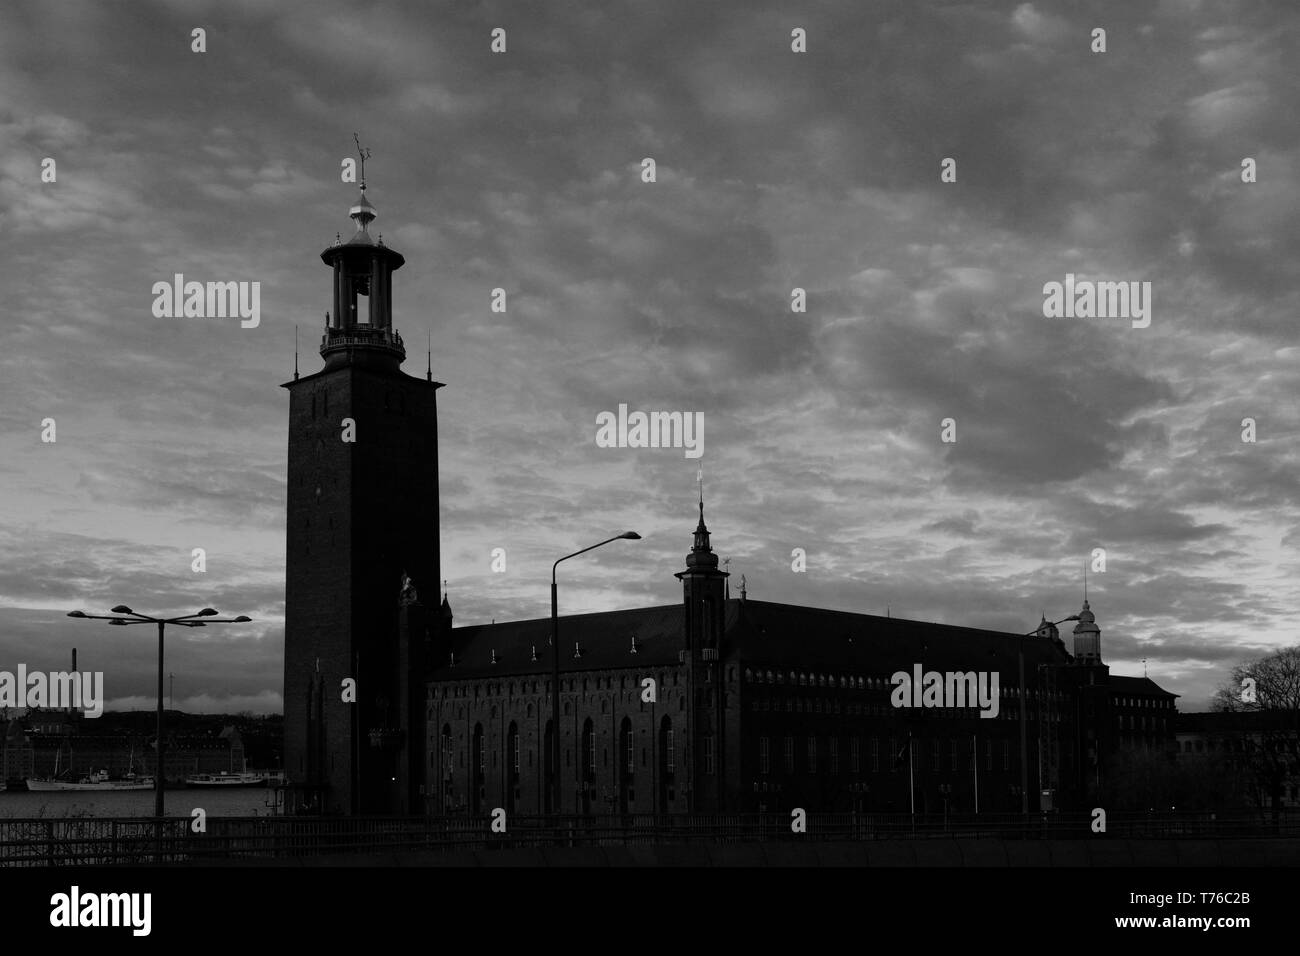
(1236, 743)
(75, 755)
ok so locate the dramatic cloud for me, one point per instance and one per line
(775, 170)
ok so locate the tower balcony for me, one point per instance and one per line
(358, 344)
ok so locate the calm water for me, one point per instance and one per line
(236, 802)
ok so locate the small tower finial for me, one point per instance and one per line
(699, 477)
(1085, 582)
(429, 372)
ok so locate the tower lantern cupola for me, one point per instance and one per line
(702, 555)
(1087, 637)
(360, 328)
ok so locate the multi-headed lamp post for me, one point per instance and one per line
(124, 615)
(555, 669)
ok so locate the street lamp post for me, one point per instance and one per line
(123, 615)
(555, 668)
(1024, 753)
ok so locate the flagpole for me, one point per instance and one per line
(911, 785)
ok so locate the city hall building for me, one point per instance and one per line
(711, 704)
(730, 704)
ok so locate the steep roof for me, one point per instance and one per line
(1137, 685)
(606, 639)
(766, 634)
(788, 635)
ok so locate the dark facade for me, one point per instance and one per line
(760, 706)
(362, 543)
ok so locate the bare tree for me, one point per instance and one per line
(1266, 693)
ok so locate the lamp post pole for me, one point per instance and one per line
(123, 615)
(1024, 753)
(158, 777)
(555, 668)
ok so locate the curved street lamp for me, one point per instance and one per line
(555, 667)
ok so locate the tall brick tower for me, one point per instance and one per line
(361, 551)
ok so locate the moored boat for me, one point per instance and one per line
(96, 780)
(248, 778)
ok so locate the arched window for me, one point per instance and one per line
(448, 754)
(626, 764)
(512, 766)
(478, 770)
(588, 750)
(667, 766)
(548, 762)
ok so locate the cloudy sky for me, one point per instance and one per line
(774, 170)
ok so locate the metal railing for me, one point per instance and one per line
(85, 841)
(341, 338)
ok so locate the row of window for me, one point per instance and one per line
(895, 756)
(1126, 723)
(1147, 702)
(846, 682)
(1225, 746)
(544, 686)
(794, 679)
(447, 749)
(816, 705)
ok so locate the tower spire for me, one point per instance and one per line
(699, 477)
(702, 550)
(364, 153)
